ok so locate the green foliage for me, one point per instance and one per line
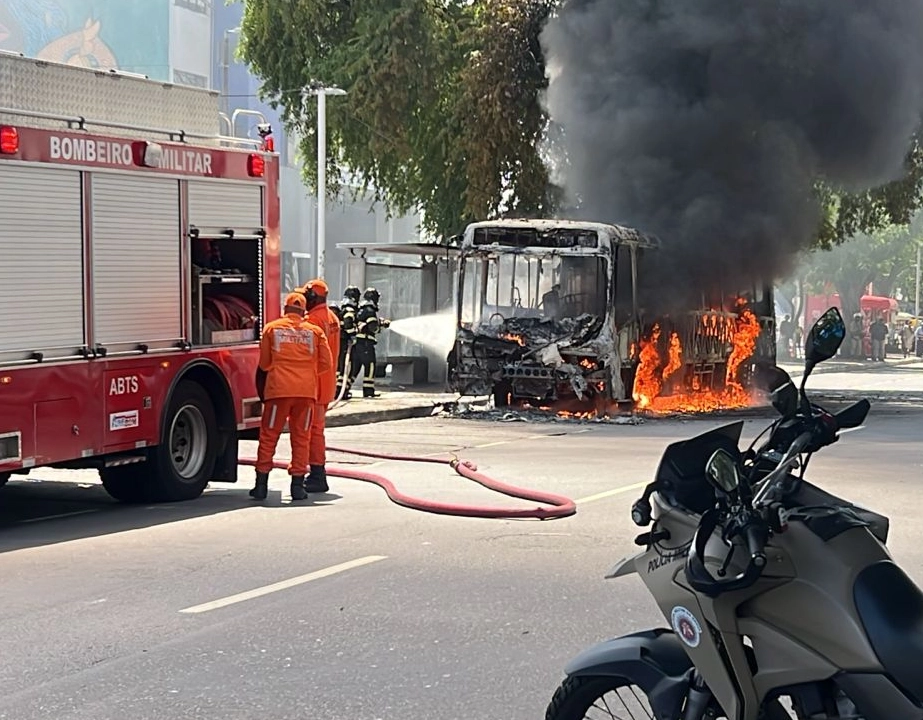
(443, 109)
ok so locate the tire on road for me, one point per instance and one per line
(577, 695)
(5, 478)
(180, 467)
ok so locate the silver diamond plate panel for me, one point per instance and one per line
(64, 90)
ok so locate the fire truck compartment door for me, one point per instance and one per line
(136, 261)
(216, 204)
(58, 432)
(41, 260)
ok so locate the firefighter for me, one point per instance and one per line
(293, 354)
(368, 326)
(325, 318)
(347, 315)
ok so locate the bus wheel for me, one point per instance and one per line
(180, 467)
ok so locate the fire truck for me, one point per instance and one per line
(139, 258)
(549, 310)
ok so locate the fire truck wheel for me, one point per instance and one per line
(181, 466)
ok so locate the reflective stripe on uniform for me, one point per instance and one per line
(272, 415)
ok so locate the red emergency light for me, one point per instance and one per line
(256, 165)
(9, 140)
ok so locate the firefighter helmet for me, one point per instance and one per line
(372, 295)
(353, 293)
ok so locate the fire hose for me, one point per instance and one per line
(560, 506)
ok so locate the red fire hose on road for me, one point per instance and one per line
(560, 505)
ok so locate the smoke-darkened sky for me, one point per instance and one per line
(706, 122)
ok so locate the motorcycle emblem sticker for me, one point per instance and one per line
(686, 626)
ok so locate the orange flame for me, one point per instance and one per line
(647, 379)
(676, 356)
(745, 336)
(518, 339)
(741, 334)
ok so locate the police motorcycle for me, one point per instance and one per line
(783, 600)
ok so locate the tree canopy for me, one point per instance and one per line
(444, 109)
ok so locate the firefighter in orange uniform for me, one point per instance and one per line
(322, 316)
(293, 354)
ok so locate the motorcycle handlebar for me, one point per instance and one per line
(755, 535)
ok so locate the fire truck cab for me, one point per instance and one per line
(139, 259)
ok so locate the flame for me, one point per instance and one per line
(587, 364)
(740, 333)
(744, 341)
(518, 339)
(647, 379)
(675, 361)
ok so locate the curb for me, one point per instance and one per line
(367, 417)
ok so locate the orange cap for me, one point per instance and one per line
(318, 286)
(295, 300)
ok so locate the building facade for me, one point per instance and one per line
(194, 42)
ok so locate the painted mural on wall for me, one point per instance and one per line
(131, 35)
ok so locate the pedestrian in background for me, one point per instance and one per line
(293, 353)
(322, 316)
(878, 332)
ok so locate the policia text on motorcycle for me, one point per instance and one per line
(294, 355)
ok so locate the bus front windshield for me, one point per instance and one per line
(548, 287)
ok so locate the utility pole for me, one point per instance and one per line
(916, 303)
(226, 71)
(322, 91)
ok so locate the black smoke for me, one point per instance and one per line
(706, 122)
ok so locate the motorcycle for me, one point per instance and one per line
(783, 600)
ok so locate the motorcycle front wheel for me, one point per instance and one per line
(611, 698)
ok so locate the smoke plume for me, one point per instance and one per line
(706, 122)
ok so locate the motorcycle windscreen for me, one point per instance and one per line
(681, 478)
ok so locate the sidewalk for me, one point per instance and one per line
(395, 403)
(841, 365)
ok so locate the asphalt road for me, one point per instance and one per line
(364, 609)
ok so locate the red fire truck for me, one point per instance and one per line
(139, 258)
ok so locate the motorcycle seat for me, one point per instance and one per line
(890, 607)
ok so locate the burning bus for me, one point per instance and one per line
(548, 313)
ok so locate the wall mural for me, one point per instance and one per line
(130, 35)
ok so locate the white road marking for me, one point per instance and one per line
(55, 517)
(610, 493)
(283, 585)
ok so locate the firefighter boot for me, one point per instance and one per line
(261, 489)
(297, 489)
(316, 482)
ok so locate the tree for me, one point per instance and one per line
(443, 109)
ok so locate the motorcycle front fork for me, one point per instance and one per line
(700, 703)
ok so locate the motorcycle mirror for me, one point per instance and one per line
(824, 338)
(722, 471)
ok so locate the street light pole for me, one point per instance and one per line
(322, 92)
(916, 304)
(226, 70)
(321, 183)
